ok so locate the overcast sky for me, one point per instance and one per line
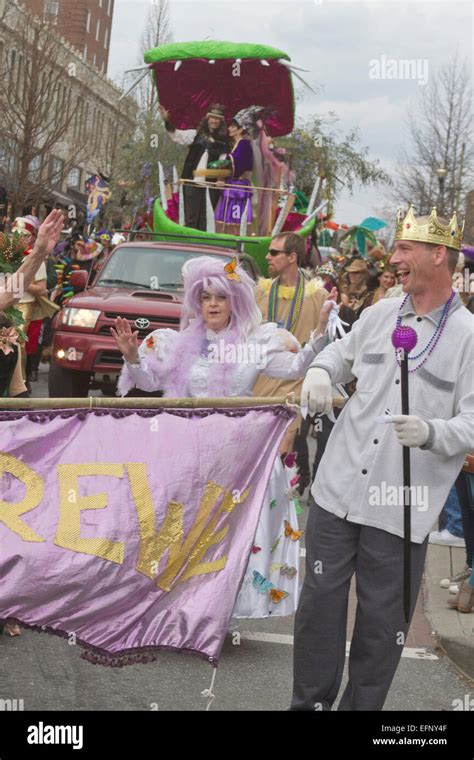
(335, 41)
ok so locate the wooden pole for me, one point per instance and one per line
(94, 402)
(239, 187)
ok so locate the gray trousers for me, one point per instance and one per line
(335, 550)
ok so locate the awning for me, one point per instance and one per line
(73, 198)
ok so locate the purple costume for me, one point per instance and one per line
(231, 205)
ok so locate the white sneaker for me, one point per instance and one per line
(445, 538)
(458, 578)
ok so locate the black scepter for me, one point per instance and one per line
(404, 339)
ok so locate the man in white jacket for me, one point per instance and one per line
(355, 523)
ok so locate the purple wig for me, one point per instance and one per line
(207, 273)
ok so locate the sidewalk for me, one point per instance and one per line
(454, 630)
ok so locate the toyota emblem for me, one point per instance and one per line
(142, 323)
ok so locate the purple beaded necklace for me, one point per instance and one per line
(431, 345)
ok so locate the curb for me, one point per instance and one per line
(454, 630)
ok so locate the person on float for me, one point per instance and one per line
(236, 200)
(208, 142)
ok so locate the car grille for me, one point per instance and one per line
(155, 323)
(113, 358)
(142, 332)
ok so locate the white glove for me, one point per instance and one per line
(316, 393)
(410, 429)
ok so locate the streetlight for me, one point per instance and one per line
(441, 174)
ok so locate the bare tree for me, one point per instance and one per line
(43, 109)
(440, 129)
(157, 32)
(135, 168)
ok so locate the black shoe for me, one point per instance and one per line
(33, 376)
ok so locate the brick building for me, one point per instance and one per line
(96, 120)
(86, 24)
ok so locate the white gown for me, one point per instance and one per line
(271, 582)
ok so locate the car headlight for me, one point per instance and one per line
(80, 317)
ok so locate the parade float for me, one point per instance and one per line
(189, 77)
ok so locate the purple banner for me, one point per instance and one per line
(130, 531)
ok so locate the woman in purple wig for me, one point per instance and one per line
(219, 351)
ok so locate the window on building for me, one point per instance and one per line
(74, 178)
(100, 3)
(51, 10)
(106, 38)
(94, 59)
(97, 31)
(34, 169)
(85, 51)
(11, 72)
(88, 20)
(56, 171)
(78, 118)
(86, 120)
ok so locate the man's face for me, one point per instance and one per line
(416, 264)
(278, 260)
(213, 122)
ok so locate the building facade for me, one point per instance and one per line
(85, 24)
(96, 122)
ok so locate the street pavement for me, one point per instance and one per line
(255, 668)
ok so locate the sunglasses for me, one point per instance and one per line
(275, 251)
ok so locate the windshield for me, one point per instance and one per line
(148, 268)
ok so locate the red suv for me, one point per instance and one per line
(141, 282)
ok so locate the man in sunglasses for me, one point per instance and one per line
(294, 301)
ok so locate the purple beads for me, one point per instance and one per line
(404, 337)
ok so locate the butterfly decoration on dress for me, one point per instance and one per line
(230, 268)
(256, 549)
(274, 567)
(292, 494)
(290, 459)
(297, 506)
(150, 342)
(287, 570)
(276, 595)
(275, 545)
(294, 535)
(273, 503)
(294, 481)
(261, 584)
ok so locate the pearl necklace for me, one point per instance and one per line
(431, 345)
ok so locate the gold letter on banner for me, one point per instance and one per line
(68, 535)
(10, 513)
(209, 538)
(153, 545)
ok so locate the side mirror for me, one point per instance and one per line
(78, 279)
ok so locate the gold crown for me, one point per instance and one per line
(431, 231)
